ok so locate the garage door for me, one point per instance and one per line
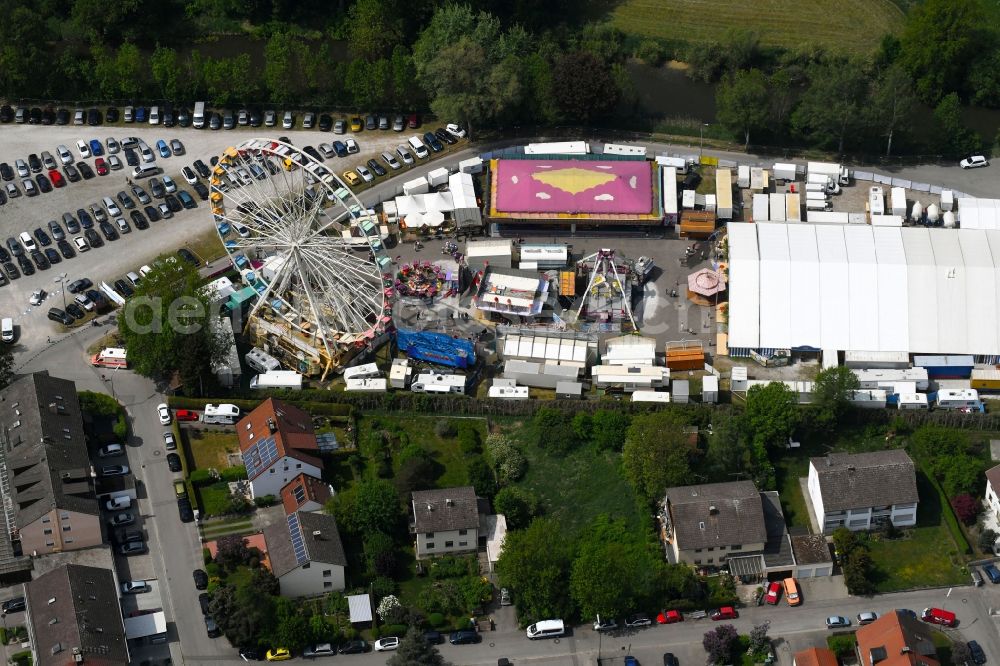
(824, 570)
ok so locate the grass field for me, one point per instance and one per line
(851, 25)
(209, 449)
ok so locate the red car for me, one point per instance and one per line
(725, 613)
(56, 178)
(185, 415)
(669, 617)
(412, 122)
(101, 166)
(773, 593)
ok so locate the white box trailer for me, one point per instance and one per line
(678, 163)
(887, 220)
(367, 384)
(837, 172)
(813, 195)
(416, 186)
(868, 398)
(724, 194)
(759, 179)
(784, 171)
(885, 378)
(912, 401)
(821, 216)
(761, 208)
(957, 399)
(437, 177)
(651, 396)
(876, 200)
(777, 206)
(947, 200)
(364, 371)
(668, 190)
(743, 176)
(509, 392)
(288, 379)
(793, 207)
(621, 149)
(897, 198)
(818, 205)
(471, 165)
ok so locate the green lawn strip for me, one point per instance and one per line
(848, 25)
(576, 487)
(211, 531)
(209, 448)
(788, 470)
(213, 499)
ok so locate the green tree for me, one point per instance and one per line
(582, 87)
(939, 43)
(984, 79)
(165, 68)
(380, 554)
(506, 458)
(832, 107)
(720, 643)
(413, 650)
(292, 629)
(535, 565)
(612, 570)
(832, 392)
(657, 454)
(279, 66)
(405, 91)
(375, 25)
(377, 506)
(166, 326)
(783, 87)
(518, 504)
(482, 478)
(6, 367)
(537, 80)
(962, 475)
(893, 102)
(771, 414)
(608, 428)
(743, 102)
(954, 137)
(548, 431)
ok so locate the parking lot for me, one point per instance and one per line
(139, 247)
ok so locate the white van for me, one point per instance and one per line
(7, 329)
(546, 629)
(145, 171)
(418, 147)
(154, 116)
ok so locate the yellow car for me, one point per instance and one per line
(278, 654)
(351, 178)
(356, 125)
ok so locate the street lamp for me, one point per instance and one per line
(701, 140)
(61, 281)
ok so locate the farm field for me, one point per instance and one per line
(852, 25)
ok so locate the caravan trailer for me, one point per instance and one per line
(370, 384)
(366, 371)
(277, 379)
(912, 401)
(224, 414)
(435, 383)
(261, 361)
(957, 399)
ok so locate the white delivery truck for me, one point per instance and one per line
(783, 171)
(198, 118)
(288, 379)
(838, 173)
(824, 181)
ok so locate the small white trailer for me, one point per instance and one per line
(897, 198)
(369, 384)
(912, 401)
(876, 200)
(784, 171)
(365, 371)
(224, 413)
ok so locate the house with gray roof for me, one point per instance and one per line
(860, 491)
(73, 617)
(445, 521)
(306, 554)
(708, 524)
(49, 501)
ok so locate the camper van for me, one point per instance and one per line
(435, 383)
(224, 413)
(261, 361)
(288, 379)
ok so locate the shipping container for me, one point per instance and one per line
(793, 207)
(986, 379)
(761, 208)
(776, 205)
(724, 193)
(956, 366)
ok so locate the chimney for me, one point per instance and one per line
(54, 408)
(905, 650)
(317, 533)
(430, 507)
(449, 502)
(271, 425)
(713, 510)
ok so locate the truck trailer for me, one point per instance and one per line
(837, 172)
(784, 171)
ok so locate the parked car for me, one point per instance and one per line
(386, 644)
(974, 162)
(110, 451)
(200, 579)
(114, 470)
(669, 617)
(135, 587)
(992, 572)
(637, 620)
(724, 613)
(118, 503)
(605, 624)
(354, 647)
(185, 510)
(976, 652)
(186, 415)
(133, 548)
(121, 519)
(174, 462)
(837, 622)
(319, 650)
(463, 637)
(164, 413)
(15, 605)
(433, 637)
(867, 617)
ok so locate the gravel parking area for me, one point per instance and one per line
(138, 247)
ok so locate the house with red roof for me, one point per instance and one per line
(278, 445)
(305, 493)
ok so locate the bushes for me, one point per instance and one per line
(966, 508)
(445, 429)
(236, 473)
(263, 501)
(313, 402)
(508, 461)
(392, 630)
(436, 620)
(468, 439)
(452, 567)
(842, 645)
(201, 477)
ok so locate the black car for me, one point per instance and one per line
(52, 255)
(93, 117)
(169, 120)
(42, 237)
(198, 165)
(6, 172)
(6, 113)
(66, 249)
(256, 118)
(35, 116)
(72, 174)
(200, 577)
(133, 548)
(85, 170)
(173, 203)
(669, 659)
(109, 231)
(463, 637)
(14, 605)
(55, 314)
(183, 117)
(202, 191)
(354, 647)
(4, 255)
(203, 600)
(433, 142)
(62, 117)
(97, 298)
(34, 163)
(976, 652)
(93, 238)
(139, 220)
(325, 123)
(26, 266)
(131, 157)
(185, 510)
(11, 270)
(121, 286)
(75, 310)
(15, 247)
(445, 136)
(48, 116)
(186, 200)
(433, 637)
(174, 464)
(43, 183)
(112, 115)
(377, 168)
(313, 153)
(86, 221)
(252, 654)
(213, 120)
(188, 256)
(40, 260)
(153, 213)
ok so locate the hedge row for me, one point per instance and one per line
(202, 477)
(949, 514)
(324, 408)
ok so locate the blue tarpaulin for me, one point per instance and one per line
(437, 348)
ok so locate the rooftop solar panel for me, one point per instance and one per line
(298, 541)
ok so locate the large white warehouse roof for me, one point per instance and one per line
(863, 288)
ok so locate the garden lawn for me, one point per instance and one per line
(576, 487)
(839, 25)
(209, 449)
(214, 499)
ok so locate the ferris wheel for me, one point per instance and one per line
(306, 244)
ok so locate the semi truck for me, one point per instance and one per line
(837, 172)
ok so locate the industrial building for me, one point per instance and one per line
(862, 288)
